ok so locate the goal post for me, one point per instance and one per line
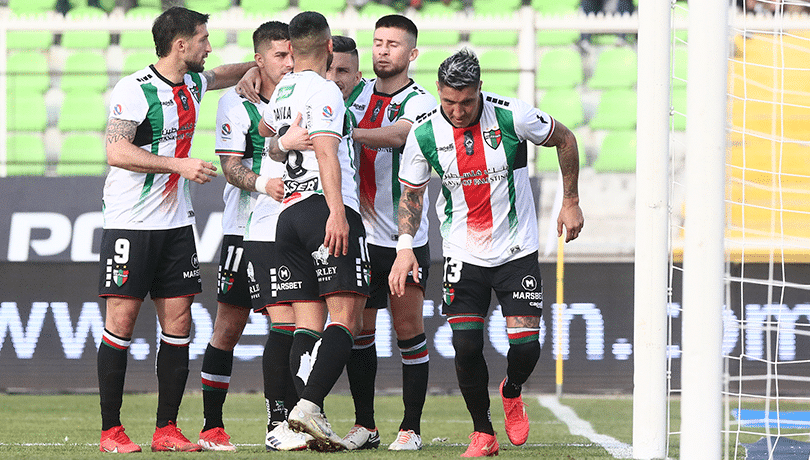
(652, 229)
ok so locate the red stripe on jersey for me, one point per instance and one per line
(474, 181)
(373, 118)
(187, 119)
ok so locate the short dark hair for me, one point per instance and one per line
(307, 24)
(460, 70)
(398, 21)
(268, 32)
(343, 44)
(172, 23)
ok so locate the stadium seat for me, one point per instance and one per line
(556, 7)
(207, 118)
(615, 68)
(82, 111)
(82, 155)
(29, 39)
(208, 6)
(27, 71)
(136, 61)
(559, 68)
(565, 105)
(85, 71)
(438, 10)
(679, 107)
(79, 39)
(500, 68)
(486, 38)
(617, 153)
(25, 155)
(263, 7)
(139, 39)
(25, 111)
(680, 61)
(427, 81)
(616, 110)
(495, 8)
(31, 6)
(556, 37)
(428, 62)
(376, 10)
(203, 147)
(325, 7)
(546, 160)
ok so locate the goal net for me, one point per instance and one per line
(766, 312)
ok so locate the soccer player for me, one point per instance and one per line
(147, 244)
(385, 108)
(241, 151)
(319, 235)
(476, 143)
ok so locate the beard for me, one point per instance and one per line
(390, 72)
(196, 67)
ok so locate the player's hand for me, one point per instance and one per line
(404, 263)
(275, 188)
(571, 217)
(249, 85)
(296, 137)
(336, 239)
(196, 170)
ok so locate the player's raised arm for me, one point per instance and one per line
(386, 136)
(227, 75)
(122, 153)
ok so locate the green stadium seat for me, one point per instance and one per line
(546, 160)
(556, 37)
(501, 69)
(203, 146)
(208, 6)
(495, 8)
(559, 68)
(679, 107)
(565, 105)
(25, 155)
(680, 61)
(207, 118)
(136, 61)
(427, 81)
(428, 62)
(150, 3)
(365, 40)
(82, 155)
(244, 38)
(27, 71)
(486, 38)
(29, 39)
(82, 111)
(325, 7)
(85, 71)
(615, 68)
(556, 7)
(139, 39)
(26, 111)
(31, 6)
(263, 7)
(79, 39)
(376, 10)
(616, 110)
(617, 153)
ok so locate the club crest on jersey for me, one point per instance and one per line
(120, 276)
(284, 92)
(449, 294)
(493, 137)
(393, 111)
(226, 283)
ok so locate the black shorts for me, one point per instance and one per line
(382, 259)
(306, 271)
(161, 263)
(261, 269)
(232, 277)
(517, 285)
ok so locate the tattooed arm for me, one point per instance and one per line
(122, 153)
(570, 214)
(226, 75)
(240, 176)
(409, 216)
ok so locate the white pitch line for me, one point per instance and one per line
(580, 427)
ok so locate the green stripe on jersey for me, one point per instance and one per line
(511, 143)
(156, 120)
(427, 144)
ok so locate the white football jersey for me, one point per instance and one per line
(238, 134)
(320, 103)
(166, 114)
(486, 207)
(379, 168)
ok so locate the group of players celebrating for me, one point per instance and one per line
(324, 214)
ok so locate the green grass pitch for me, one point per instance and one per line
(67, 427)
